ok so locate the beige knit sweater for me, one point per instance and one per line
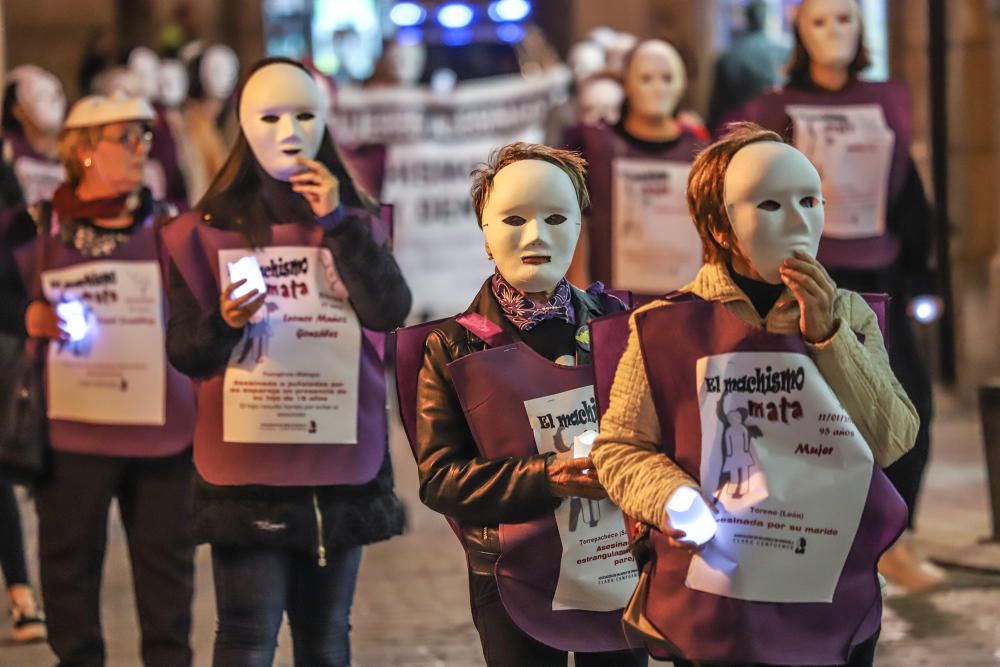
(640, 479)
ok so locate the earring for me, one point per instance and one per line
(87, 162)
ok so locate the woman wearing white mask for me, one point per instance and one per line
(291, 484)
(637, 236)
(33, 108)
(878, 235)
(762, 340)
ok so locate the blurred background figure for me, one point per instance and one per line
(34, 105)
(213, 70)
(751, 66)
(600, 97)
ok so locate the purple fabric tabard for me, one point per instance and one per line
(707, 627)
(109, 439)
(492, 387)
(194, 247)
(164, 151)
(769, 110)
(601, 144)
(367, 165)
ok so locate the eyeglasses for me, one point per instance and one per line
(132, 138)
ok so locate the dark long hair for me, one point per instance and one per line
(799, 74)
(239, 193)
(8, 122)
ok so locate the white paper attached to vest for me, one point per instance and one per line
(293, 377)
(597, 571)
(851, 146)
(655, 247)
(114, 369)
(790, 471)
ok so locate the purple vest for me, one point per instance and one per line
(194, 247)
(769, 110)
(492, 387)
(164, 150)
(601, 144)
(711, 628)
(110, 439)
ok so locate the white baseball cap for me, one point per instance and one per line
(117, 107)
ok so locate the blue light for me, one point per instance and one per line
(409, 36)
(511, 33)
(457, 37)
(926, 308)
(509, 10)
(406, 14)
(455, 15)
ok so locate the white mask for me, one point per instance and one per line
(145, 64)
(775, 205)
(281, 113)
(172, 80)
(600, 99)
(407, 62)
(40, 96)
(655, 80)
(219, 70)
(531, 222)
(585, 58)
(830, 31)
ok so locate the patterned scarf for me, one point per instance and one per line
(524, 313)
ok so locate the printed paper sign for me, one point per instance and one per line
(851, 147)
(597, 571)
(655, 246)
(115, 370)
(791, 473)
(293, 377)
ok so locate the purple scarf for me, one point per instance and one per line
(524, 313)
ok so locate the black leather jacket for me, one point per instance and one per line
(455, 479)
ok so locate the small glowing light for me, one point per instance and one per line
(510, 33)
(74, 316)
(689, 512)
(246, 268)
(455, 15)
(509, 10)
(406, 14)
(925, 308)
(443, 80)
(583, 443)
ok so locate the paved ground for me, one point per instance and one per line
(411, 608)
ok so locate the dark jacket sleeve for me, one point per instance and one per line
(199, 343)
(911, 219)
(377, 290)
(454, 479)
(17, 228)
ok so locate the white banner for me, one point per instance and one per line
(116, 372)
(434, 141)
(655, 246)
(597, 571)
(790, 471)
(851, 147)
(293, 377)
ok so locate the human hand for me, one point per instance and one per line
(42, 321)
(237, 312)
(688, 505)
(570, 477)
(320, 188)
(815, 291)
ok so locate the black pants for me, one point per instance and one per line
(154, 499)
(863, 655)
(256, 587)
(15, 571)
(505, 645)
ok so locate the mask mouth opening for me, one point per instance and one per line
(536, 259)
(291, 151)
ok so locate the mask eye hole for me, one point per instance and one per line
(514, 220)
(844, 19)
(769, 205)
(306, 115)
(555, 219)
(818, 23)
(269, 118)
(810, 202)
